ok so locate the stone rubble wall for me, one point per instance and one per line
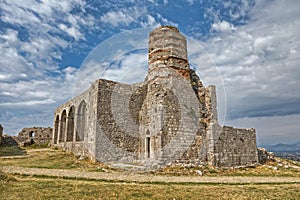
(264, 156)
(236, 147)
(34, 135)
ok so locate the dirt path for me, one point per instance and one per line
(131, 177)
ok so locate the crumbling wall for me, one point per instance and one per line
(235, 147)
(34, 135)
(264, 155)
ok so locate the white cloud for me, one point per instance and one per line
(72, 31)
(165, 21)
(123, 16)
(223, 26)
(29, 51)
(28, 103)
(130, 68)
(150, 22)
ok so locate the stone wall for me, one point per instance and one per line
(117, 121)
(75, 123)
(34, 135)
(235, 147)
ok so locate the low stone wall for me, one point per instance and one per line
(236, 147)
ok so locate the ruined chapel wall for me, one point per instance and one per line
(236, 147)
(117, 136)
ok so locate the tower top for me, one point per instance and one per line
(167, 27)
(167, 49)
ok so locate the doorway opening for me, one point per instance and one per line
(148, 146)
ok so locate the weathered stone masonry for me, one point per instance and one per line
(34, 135)
(169, 118)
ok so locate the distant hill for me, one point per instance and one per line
(285, 148)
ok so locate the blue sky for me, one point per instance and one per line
(251, 46)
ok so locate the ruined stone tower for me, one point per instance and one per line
(169, 118)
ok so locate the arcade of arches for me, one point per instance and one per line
(69, 125)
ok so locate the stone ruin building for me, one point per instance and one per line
(169, 118)
(34, 135)
(27, 136)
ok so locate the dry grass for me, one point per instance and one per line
(51, 159)
(58, 159)
(26, 187)
(279, 167)
(44, 187)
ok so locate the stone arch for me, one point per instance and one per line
(70, 124)
(56, 125)
(63, 126)
(81, 121)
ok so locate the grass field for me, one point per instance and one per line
(58, 159)
(50, 159)
(27, 187)
(15, 186)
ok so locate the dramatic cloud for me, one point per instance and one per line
(31, 47)
(259, 63)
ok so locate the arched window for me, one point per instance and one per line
(56, 125)
(62, 126)
(70, 126)
(81, 121)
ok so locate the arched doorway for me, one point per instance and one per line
(56, 124)
(62, 126)
(70, 126)
(81, 121)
